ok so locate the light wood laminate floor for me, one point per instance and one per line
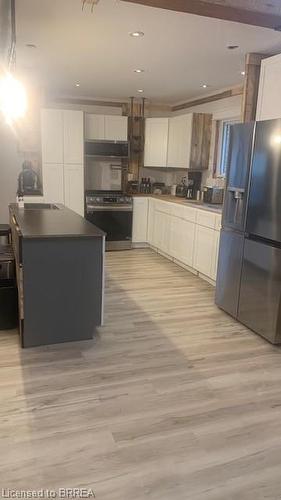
(173, 400)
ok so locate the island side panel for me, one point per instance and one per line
(63, 289)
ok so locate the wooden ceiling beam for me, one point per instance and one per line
(211, 98)
(211, 8)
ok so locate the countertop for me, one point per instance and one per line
(183, 201)
(49, 223)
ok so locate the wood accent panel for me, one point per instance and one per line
(217, 10)
(172, 400)
(86, 102)
(210, 98)
(251, 86)
(266, 6)
(216, 148)
(200, 141)
(136, 137)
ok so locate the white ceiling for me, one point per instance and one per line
(179, 52)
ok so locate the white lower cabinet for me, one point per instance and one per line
(189, 236)
(140, 220)
(74, 188)
(182, 240)
(150, 220)
(161, 231)
(204, 250)
(53, 182)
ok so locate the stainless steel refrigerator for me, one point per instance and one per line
(249, 270)
(234, 218)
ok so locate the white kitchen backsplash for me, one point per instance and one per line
(210, 181)
(169, 177)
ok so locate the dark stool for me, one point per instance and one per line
(5, 231)
(8, 289)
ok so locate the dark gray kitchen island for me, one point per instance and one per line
(59, 263)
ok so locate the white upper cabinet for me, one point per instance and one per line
(156, 142)
(52, 135)
(73, 136)
(179, 143)
(116, 128)
(269, 100)
(94, 127)
(106, 127)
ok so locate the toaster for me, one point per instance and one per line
(213, 195)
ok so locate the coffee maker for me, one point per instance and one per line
(181, 189)
(193, 185)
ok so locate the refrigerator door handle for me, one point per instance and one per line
(237, 194)
(233, 189)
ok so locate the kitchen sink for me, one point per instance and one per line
(41, 206)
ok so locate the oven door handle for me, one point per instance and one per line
(124, 208)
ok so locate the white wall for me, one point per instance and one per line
(10, 166)
(223, 109)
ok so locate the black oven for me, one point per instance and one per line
(113, 213)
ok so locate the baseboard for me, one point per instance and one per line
(186, 267)
(206, 278)
(140, 245)
(167, 256)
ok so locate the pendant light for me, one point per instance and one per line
(13, 100)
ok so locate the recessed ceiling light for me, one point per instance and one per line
(204, 86)
(77, 84)
(232, 47)
(140, 91)
(243, 73)
(137, 34)
(138, 70)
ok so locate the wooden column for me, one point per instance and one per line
(136, 137)
(251, 86)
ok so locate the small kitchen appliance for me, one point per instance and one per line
(181, 189)
(213, 195)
